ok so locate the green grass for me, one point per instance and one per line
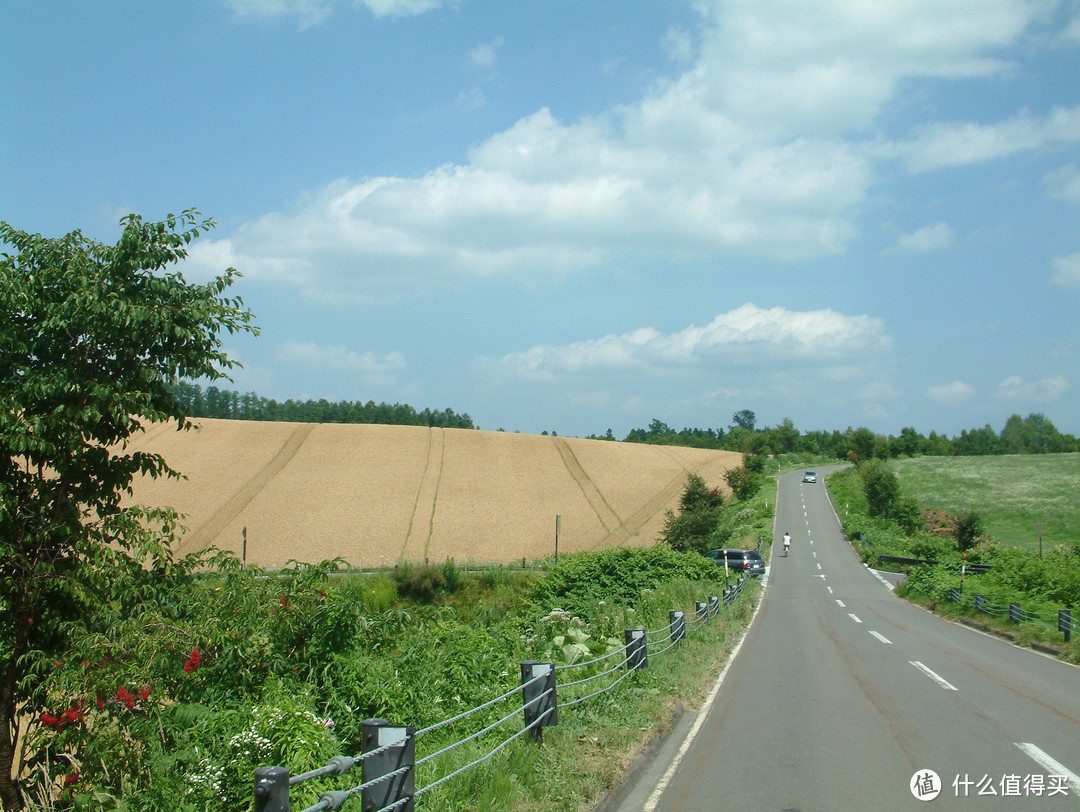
(1011, 493)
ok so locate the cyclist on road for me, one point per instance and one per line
(787, 543)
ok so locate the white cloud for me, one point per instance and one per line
(1016, 388)
(755, 149)
(746, 336)
(1064, 183)
(948, 144)
(313, 12)
(369, 368)
(951, 394)
(1066, 271)
(678, 45)
(927, 238)
(486, 54)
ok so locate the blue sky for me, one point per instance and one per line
(573, 216)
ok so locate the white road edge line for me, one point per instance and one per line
(853, 617)
(882, 638)
(944, 683)
(706, 707)
(1051, 765)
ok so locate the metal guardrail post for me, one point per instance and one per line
(539, 697)
(637, 653)
(1065, 623)
(678, 625)
(271, 790)
(1014, 612)
(378, 733)
(714, 605)
(701, 610)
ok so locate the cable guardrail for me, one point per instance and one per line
(1061, 620)
(388, 761)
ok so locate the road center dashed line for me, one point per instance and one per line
(840, 603)
(940, 680)
(882, 638)
(854, 617)
(1051, 765)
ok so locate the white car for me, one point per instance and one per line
(809, 476)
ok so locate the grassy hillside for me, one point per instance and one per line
(376, 494)
(1011, 493)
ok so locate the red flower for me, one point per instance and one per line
(193, 662)
(125, 696)
(48, 719)
(144, 693)
(71, 778)
(73, 715)
(100, 701)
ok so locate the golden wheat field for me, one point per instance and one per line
(374, 494)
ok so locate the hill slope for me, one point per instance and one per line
(374, 494)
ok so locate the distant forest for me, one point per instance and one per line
(1034, 434)
(214, 402)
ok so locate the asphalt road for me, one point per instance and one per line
(842, 693)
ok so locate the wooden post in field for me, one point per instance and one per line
(243, 554)
(558, 529)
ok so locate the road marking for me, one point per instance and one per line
(853, 617)
(840, 603)
(1051, 765)
(819, 566)
(813, 553)
(662, 784)
(830, 589)
(944, 683)
(882, 638)
(883, 580)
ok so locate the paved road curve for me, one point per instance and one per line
(841, 693)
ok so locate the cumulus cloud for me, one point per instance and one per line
(1066, 271)
(765, 144)
(1047, 389)
(748, 335)
(951, 394)
(366, 367)
(927, 238)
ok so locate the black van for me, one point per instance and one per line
(739, 560)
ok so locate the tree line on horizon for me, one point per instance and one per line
(1034, 434)
(213, 402)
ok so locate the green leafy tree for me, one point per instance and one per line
(969, 527)
(94, 339)
(744, 419)
(881, 487)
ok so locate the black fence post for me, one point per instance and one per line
(1065, 623)
(1014, 612)
(714, 605)
(271, 790)
(702, 610)
(400, 753)
(637, 653)
(539, 697)
(678, 625)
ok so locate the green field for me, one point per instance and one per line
(1011, 493)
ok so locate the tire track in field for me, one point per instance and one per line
(209, 530)
(427, 492)
(609, 519)
(644, 514)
